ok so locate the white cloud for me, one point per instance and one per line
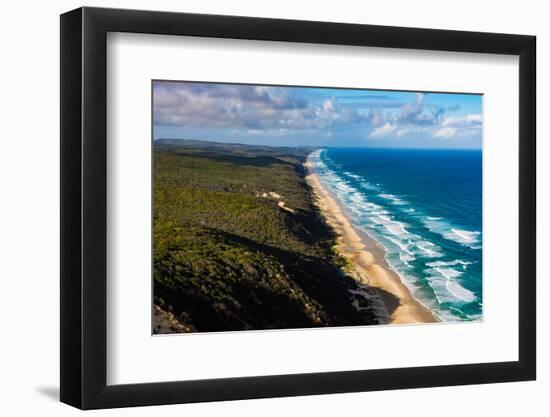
(445, 132)
(247, 107)
(418, 118)
(459, 126)
(264, 110)
(470, 120)
(385, 130)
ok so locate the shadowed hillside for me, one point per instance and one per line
(238, 243)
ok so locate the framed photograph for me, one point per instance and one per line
(257, 208)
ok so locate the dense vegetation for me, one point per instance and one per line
(239, 244)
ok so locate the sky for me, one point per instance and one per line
(305, 116)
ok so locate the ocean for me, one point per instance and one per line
(425, 208)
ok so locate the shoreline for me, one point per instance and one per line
(367, 259)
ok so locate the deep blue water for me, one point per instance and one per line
(425, 208)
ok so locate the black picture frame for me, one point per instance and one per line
(84, 207)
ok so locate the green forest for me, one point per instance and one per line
(239, 244)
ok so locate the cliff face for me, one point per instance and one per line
(238, 243)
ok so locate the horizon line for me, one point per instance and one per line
(320, 146)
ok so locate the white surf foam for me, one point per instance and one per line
(428, 249)
(438, 264)
(463, 236)
(443, 280)
(393, 199)
(460, 292)
(449, 232)
(396, 228)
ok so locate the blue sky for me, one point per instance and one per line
(297, 116)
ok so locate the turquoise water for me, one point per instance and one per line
(425, 208)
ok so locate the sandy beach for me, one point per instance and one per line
(368, 264)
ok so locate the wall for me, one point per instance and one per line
(29, 209)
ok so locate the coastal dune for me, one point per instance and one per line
(367, 261)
